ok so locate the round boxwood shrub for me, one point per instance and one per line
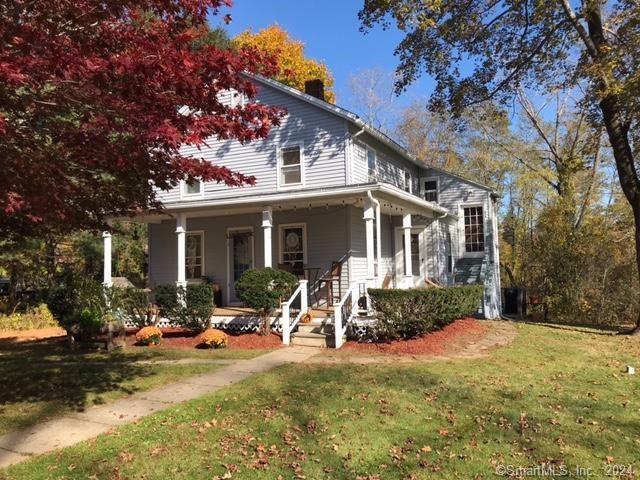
(263, 290)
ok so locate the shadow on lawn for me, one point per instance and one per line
(46, 371)
(410, 410)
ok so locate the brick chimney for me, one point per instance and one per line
(315, 88)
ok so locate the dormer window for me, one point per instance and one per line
(291, 166)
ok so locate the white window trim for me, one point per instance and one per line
(201, 233)
(461, 235)
(253, 257)
(283, 226)
(375, 162)
(290, 186)
(183, 191)
(430, 179)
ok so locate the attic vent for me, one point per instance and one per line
(315, 88)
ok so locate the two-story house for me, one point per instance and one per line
(331, 192)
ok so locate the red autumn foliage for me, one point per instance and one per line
(90, 107)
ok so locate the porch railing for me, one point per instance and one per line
(344, 312)
(285, 319)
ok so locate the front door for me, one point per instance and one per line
(239, 257)
(417, 256)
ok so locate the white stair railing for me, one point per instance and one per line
(285, 319)
(344, 312)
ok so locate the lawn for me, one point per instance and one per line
(41, 380)
(554, 396)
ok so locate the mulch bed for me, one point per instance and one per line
(434, 343)
(181, 338)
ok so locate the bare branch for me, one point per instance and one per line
(531, 114)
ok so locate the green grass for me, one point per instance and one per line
(41, 380)
(552, 396)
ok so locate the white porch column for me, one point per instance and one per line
(267, 225)
(406, 225)
(106, 239)
(181, 231)
(369, 213)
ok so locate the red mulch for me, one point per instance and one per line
(434, 343)
(181, 338)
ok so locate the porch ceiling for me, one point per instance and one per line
(393, 201)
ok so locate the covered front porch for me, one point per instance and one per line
(337, 242)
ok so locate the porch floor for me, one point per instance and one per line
(244, 311)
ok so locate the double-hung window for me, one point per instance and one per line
(430, 189)
(473, 229)
(194, 256)
(291, 166)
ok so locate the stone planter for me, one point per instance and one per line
(108, 336)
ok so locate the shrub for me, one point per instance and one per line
(263, 290)
(134, 302)
(194, 313)
(213, 338)
(37, 317)
(404, 314)
(149, 335)
(82, 301)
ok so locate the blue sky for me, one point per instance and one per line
(330, 31)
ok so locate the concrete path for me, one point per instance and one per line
(78, 426)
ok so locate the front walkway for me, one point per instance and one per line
(77, 427)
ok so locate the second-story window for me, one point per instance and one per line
(430, 190)
(291, 166)
(407, 181)
(371, 164)
(193, 188)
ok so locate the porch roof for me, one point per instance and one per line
(392, 199)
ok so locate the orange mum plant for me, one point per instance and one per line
(149, 335)
(213, 338)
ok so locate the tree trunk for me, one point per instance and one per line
(623, 155)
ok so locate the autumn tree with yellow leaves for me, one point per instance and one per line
(295, 67)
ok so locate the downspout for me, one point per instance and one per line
(378, 236)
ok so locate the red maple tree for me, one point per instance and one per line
(96, 99)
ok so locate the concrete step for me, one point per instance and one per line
(316, 327)
(310, 339)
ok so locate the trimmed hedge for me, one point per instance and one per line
(404, 314)
(195, 314)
